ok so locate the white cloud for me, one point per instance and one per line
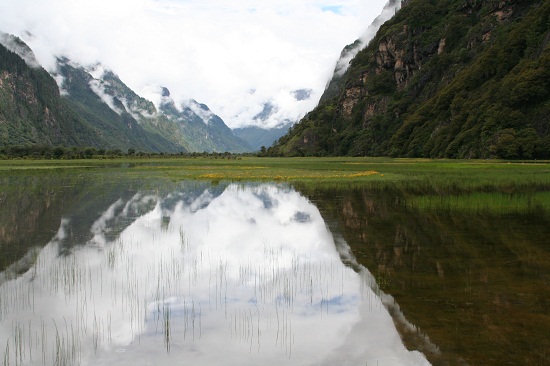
(209, 50)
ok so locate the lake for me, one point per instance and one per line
(99, 269)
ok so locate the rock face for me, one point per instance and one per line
(440, 79)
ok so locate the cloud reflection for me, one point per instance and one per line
(249, 276)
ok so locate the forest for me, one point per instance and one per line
(442, 79)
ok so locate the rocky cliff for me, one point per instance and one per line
(458, 79)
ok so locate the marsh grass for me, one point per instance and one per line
(374, 172)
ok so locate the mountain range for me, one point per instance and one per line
(91, 106)
(441, 79)
(430, 78)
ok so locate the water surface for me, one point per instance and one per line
(469, 268)
(227, 274)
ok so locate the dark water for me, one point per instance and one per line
(102, 270)
(472, 274)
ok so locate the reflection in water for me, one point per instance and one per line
(473, 275)
(248, 276)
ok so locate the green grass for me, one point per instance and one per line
(418, 174)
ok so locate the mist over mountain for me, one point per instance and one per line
(262, 133)
(234, 56)
(20, 48)
(91, 106)
(455, 79)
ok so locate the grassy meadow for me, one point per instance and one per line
(422, 172)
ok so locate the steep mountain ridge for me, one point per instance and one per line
(458, 79)
(200, 128)
(350, 51)
(188, 127)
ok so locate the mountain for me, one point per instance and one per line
(32, 110)
(455, 79)
(95, 108)
(258, 136)
(350, 51)
(102, 97)
(112, 109)
(201, 129)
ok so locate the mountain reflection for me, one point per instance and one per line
(244, 275)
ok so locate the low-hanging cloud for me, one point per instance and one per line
(212, 51)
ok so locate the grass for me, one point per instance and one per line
(419, 173)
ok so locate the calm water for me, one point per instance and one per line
(470, 269)
(103, 272)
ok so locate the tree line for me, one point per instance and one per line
(71, 153)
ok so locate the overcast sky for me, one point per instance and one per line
(235, 56)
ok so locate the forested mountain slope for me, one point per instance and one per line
(453, 78)
(32, 110)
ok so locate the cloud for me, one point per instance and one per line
(212, 51)
(387, 13)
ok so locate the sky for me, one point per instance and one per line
(234, 56)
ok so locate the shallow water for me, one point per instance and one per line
(233, 275)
